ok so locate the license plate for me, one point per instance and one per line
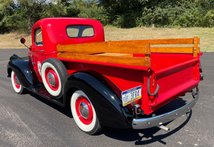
(131, 95)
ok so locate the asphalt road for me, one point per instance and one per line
(28, 120)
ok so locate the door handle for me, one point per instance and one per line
(41, 51)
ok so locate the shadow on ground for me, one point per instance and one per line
(63, 110)
(148, 136)
(140, 137)
(143, 137)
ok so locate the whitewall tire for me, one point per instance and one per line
(84, 113)
(17, 87)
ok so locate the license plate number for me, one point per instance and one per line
(131, 95)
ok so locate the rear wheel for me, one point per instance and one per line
(17, 87)
(84, 113)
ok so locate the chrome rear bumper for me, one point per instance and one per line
(143, 123)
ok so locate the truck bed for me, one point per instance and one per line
(170, 64)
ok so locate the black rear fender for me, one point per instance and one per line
(107, 104)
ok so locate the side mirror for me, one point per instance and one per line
(22, 40)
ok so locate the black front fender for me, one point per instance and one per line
(108, 106)
(23, 69)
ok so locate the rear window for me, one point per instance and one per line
(79, 31)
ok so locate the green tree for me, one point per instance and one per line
(123, 13)
(90, 9)
(20, 15)
(6, 9)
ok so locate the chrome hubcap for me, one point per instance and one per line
(51, 79)
(84, 111)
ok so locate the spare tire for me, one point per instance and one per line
(54, 74)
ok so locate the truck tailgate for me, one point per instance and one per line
(176, 80)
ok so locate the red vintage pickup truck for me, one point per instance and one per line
(119, 84)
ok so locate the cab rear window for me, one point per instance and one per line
(80, 31)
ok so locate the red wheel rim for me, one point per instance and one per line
(16, 81)
(52, 79)
(83, 103)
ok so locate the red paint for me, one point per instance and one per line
(53, 87)
(84, 120)
(16, 82)
(174, 78)
(54, 33)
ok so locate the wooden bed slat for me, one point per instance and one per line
(93, 48)
(169, 41)
(172, 49)
(142, 61)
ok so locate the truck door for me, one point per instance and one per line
(37, 51)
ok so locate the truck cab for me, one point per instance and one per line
(48, 33)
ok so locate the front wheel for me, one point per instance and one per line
(84, 113)
(17, 87)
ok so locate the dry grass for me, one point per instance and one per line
(111, 33)
(11, 40)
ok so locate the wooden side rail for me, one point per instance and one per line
(167, 41)
(123, 47)
(189, 45)
(118, 52)
(125, 60)
(172, 50)
(121, 52)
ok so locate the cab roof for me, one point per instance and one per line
(54, 31)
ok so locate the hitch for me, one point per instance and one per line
(137, 110)
(162, 127)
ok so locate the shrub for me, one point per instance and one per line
(208, 20)
(20, 15)
(125, 21)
